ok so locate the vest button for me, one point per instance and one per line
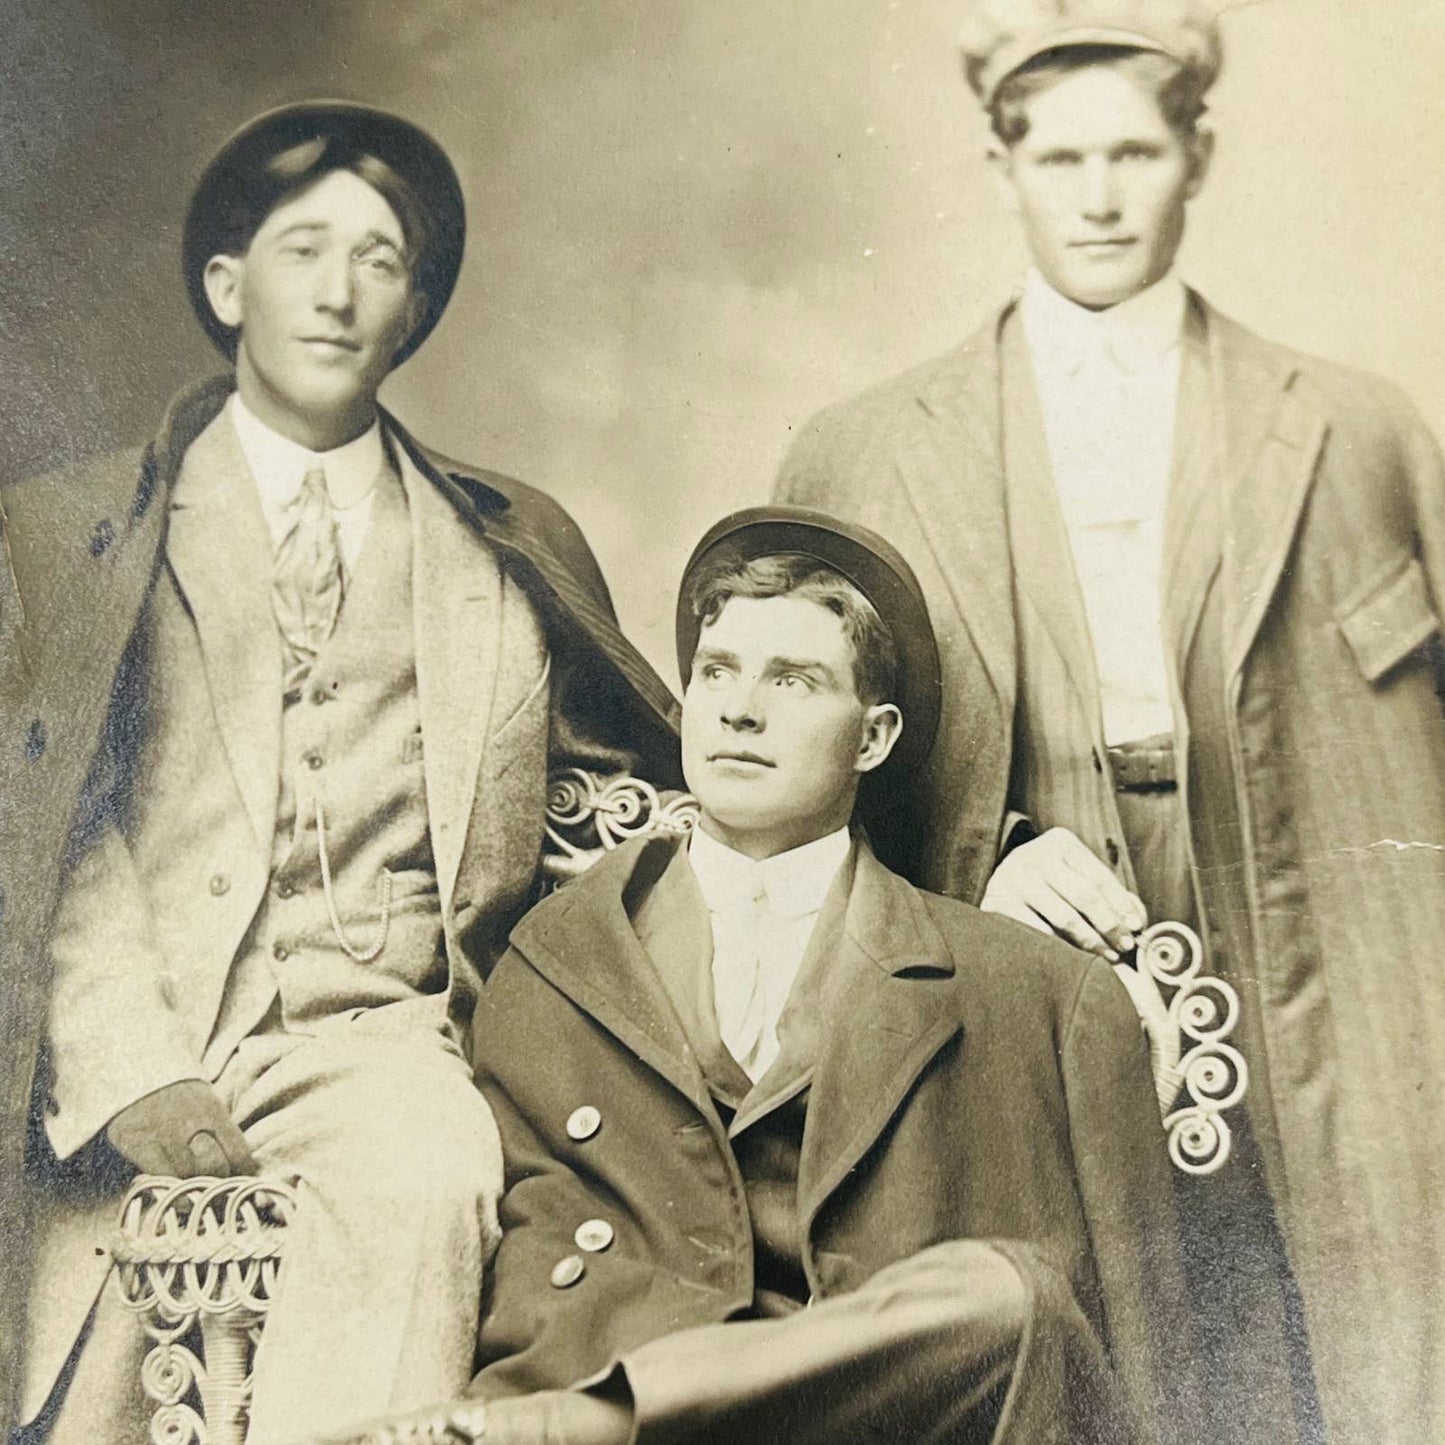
(319, 695)
(220, 885)
(594, 1236)
(280, 953)
(1111, 852)
(285, 889)
(583, 1123)
(567, 1271)
(313, 761)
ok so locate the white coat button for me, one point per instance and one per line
(220, 885)
(583, 1123)
(567, 1271)
(594, 1236)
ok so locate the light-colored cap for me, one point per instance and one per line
(1001, 36)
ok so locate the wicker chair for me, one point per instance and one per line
(198, 1259)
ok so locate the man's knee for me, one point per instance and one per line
(418, 1141)
(963, 1289)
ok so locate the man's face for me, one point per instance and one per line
(323, 300)
(1101, 182)
(774, 734)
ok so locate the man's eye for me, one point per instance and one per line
(711, 672)
(1055, 160)
(793, 681)
(300, 248)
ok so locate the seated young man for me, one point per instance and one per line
(796, 1151)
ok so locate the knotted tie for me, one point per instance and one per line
(307, 588)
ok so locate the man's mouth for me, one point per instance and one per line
(1103, 245)
(731, 757)
(341, 343)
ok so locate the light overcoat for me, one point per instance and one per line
(1306, 648)
(493, 558)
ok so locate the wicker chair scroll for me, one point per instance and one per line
(1189, 1016)
(197, 1260)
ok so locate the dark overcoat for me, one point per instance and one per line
(82, 551)
(1308, 654)
(973, 1080)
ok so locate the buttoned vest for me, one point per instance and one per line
(1060, 775)
(351, 862)
(766, 1121)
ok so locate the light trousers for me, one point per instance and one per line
(397, 1168)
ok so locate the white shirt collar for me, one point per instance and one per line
(279, 464)
(1135, 334)
(794, 884)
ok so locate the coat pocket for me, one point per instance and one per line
(1391, 620)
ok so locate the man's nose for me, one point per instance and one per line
(1100, 190)
(742, 707)
(336, 285)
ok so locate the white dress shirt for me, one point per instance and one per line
(762, 918)
(278, 466)
(1108, 384)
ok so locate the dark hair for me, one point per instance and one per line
(291, 171)
(1178, 87)
(795, 574)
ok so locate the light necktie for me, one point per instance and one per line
(308, 583)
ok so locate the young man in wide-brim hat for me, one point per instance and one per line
(279, 717)
(796, 1151)
(1188, 586)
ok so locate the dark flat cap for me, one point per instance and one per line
(234, 187)
(872, 565)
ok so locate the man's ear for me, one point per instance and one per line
(416, 308)
(1201, 156)
(882, 727)
(1001, 168)
(223, 288)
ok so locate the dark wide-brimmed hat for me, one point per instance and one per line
(872, 565)
(235, 187)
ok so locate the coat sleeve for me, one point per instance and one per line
(611, 713)
(113, 1034)
(1127, 1190)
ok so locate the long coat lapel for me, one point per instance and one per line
(1272, 441)
(953, 467)
(890, 1009)
(457, 621)
(584, 943)
(1192, 516)
(1043, 557)
(220, 552)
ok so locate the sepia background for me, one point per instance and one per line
(691, 221)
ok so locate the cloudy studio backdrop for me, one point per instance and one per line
(691, 221)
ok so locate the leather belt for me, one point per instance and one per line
(1145, 766)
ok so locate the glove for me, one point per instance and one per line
(181, 1129)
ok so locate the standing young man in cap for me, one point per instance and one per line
(794, 1150)
(1187, 586)
(286, 689)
